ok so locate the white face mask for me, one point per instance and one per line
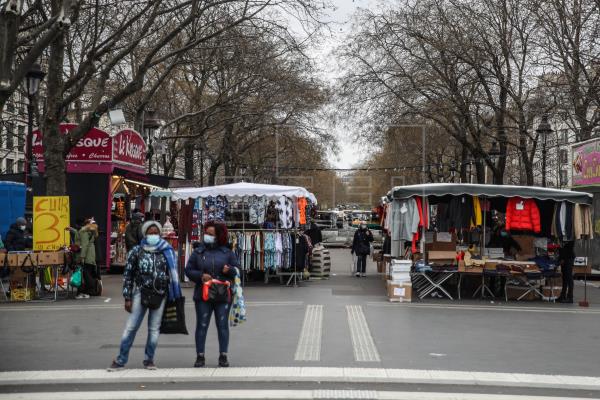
(153, 239)
(209, 239)
(22, 227)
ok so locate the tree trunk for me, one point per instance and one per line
(54, 144)
(189, 159)
(212, 173)
(527, 163)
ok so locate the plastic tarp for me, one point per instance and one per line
(458, 189)
(243, 189)
(12, 204)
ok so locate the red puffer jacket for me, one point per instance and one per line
(522, 214)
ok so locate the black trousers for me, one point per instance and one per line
(361, 263)
(567, 280)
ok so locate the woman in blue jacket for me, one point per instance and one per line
(211, 260)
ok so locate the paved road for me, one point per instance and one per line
(343, 322)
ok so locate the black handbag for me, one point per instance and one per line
(173, 319)
(151, 298)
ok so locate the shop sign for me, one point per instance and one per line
(96, 146)
(586, 163)
(50, 222)
(129, 148)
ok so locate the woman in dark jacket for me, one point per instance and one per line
(361, 246)
(211, 260)
(17, 238)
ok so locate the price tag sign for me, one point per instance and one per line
(51, 217)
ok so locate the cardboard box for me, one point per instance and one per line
(514, 292)
(27, 259)
(551, 292)
(380, 267)
(21, 294)
(582, 270)
(401, 266)
(527, 246)
(399, 292)
(447, 257)
(12, 259)
(377, 256)
(51, 258)
(400, 277)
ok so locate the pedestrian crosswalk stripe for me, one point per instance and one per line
(362, 341)
(309, 344)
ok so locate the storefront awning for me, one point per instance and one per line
(243, 189)
(457, 189)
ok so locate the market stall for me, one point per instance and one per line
(486, 233)
(107, 179)
(265, 224)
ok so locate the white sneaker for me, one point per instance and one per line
(87, 296)
(80, 296)
(364, 275)
(357, 274)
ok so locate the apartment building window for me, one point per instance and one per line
(564, 178)
(563, 156)
(21, 138)
(10, 165)
(21, 166)
(10, 134)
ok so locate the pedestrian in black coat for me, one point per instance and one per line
(17, 238)
(361, 246)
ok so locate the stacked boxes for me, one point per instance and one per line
(399, 286)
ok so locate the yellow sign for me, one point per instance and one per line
(50, 220)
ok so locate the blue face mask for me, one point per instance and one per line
(209, 239)
(152, 240)
(504, 234)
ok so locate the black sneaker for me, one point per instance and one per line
(200, 361)
(149, 364)
(223, 362)
(115, 366)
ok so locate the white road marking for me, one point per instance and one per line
(265, 394)
(504, 308)
(362, 341)
(309, 343)
(107, 300)
(299, 374)
(437, 355)
(112, 306)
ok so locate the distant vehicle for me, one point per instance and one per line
(327, 219)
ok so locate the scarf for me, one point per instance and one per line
(165, 248)
(237, 313)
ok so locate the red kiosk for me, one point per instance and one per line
(106, 179)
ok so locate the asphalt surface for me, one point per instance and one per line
(529, 337)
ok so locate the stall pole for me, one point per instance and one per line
(243, 272)
(584, 302)
(484, 226)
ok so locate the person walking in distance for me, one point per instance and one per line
(361, 246)
(133, 231)
(150, 276)
(17, 238)
(212, 262)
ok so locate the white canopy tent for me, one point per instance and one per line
(243, 189)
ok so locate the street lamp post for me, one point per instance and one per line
(32, 81)
(494, 154)
(544, 129)
(151, 124)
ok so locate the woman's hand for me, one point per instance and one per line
(128, 305)
(226, 269)
(206, 277)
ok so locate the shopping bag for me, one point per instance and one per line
(173, 319)
(76, 278)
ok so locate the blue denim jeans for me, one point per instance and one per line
(133, 324)
(204, 311)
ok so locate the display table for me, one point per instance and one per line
(425, 283)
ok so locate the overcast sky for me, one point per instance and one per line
(341, 17)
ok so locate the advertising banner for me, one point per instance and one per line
(50, 220)
(586, 163)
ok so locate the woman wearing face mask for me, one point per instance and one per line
(150, 275)
(211, 260)
(361, 246)
(17, 238)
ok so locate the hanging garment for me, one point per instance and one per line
(477, 219)
(302, 205)
(423, 209)
(257, 209)
(286, 212)
(216, 208)
(522, 214)
(460, 212)
(582, 221)
(404, 224)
